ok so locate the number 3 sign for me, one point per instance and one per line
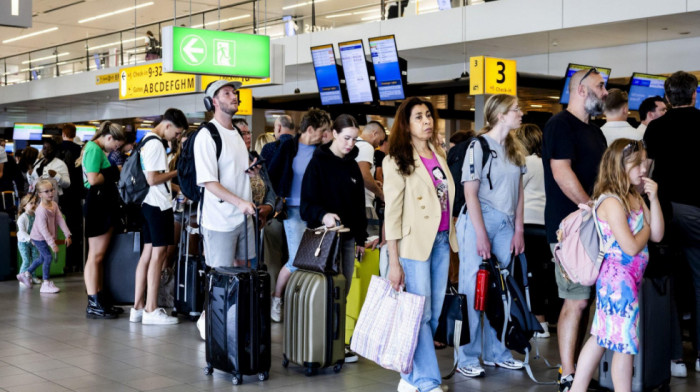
(488, 75)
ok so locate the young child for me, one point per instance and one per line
(43, 234)
(27, 250)
(628, 220)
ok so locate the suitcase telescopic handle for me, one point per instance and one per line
(256, 233)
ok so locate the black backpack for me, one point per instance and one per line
(186, 171)
(133, 186)
(455, 161)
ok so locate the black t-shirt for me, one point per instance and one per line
(567, 137)
(672, 142)
(378, 158)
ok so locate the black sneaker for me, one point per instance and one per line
(350, 356)
(566, 382)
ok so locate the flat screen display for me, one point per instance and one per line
(352, 56)
(644, 86)
(326, 74)
(697, 98)
(387, 71)
(85, 132)
(27, 131)
(141, 132)
(572, 69)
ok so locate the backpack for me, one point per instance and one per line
(133, 186)
(186, 170)
(580, 248)
(455, 161)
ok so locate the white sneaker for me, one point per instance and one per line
(47, 287)
(543, 335)
(276, 309)
(471, 371)
(512, 364)
(697, 365)
(440, 388)
(136, 315)
(678, 369)
(36, 280)
(158, 317)
(201, 326)
(350, 356)
(404, 386)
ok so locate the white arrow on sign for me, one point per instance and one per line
(190, 50)
(15, 8)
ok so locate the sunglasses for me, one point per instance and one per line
(634, 146)
(593, 70)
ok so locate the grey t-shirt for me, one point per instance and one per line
(505, 176)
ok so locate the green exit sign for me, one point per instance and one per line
(210, 52)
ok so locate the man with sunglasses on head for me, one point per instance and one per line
(672, 143)
(571, 152)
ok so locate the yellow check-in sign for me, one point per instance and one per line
(489, 75)
(146, 81)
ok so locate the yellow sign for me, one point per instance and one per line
(488, 75)
(146, 81)
(245, 102)
(107, 78)
(206, 79)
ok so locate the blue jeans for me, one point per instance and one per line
(294, 229)
(45, 257)
(500, 229)
(429, 279)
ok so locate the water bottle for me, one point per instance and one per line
(180, 202)
(482, 283)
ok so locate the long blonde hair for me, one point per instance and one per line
(612, 174)
(23, 203)
(106, 128)
(501, 104)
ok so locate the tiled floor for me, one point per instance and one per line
(47, 345)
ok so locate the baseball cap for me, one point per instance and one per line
(213, 87)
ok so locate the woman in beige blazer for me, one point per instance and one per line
(419, 192)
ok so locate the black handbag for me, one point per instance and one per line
(454, 320)
(319, 250)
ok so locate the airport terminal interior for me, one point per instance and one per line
(127, 61)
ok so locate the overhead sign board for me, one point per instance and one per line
(149, 80)
(16, 13)
(245, 102)
(212, 52)
(488, 75)
(107, 78)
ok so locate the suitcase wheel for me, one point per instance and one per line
(263, 376)
(309, 371)
(337, 367)
(285, 361)
(237, 379)
(208, 369)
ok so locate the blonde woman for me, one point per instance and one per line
(492, 223)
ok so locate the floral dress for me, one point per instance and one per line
(617, 292)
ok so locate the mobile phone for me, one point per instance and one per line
(259, 162)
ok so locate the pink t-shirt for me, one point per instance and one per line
(45, 222)
(440, 181)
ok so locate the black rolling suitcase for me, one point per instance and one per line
(652, 366)
(119, 265)
(238, 319)
(190, 271)
(8, 247)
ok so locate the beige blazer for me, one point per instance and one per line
(412, 212)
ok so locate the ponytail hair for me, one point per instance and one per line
(502, 104)
(107, 128)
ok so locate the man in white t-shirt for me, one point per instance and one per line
(158, 225)
(616, 112)
(227, 197)
(649, 110)
(372, 135)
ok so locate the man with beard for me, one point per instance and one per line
(571, 153)
(227, 196)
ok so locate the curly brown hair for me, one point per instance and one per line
(400, 146)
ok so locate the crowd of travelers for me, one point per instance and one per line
(394, 189)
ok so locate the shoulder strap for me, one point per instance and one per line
(214, 132)
(143, 143)
(603, 245)
(486, 154)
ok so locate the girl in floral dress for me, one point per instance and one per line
(627, 219)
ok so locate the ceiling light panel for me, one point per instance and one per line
(7, 41)
(117, 12)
